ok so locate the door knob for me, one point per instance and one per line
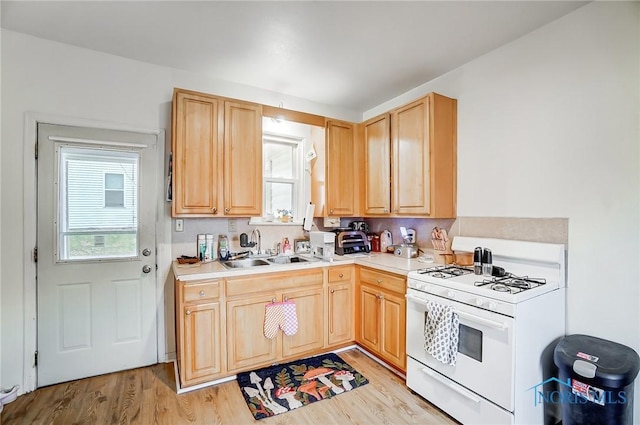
(146, 268)
(146, 252)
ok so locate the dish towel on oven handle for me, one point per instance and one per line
(441, 331)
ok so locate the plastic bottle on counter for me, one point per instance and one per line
(202, 247)
(286, 246)
(223, 247)
(209, 252)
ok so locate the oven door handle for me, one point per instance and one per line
(465, 393)
(472, 317)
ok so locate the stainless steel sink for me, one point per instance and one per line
(244, 263)
(287, 259)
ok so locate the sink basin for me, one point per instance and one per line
(287, 259)
(244, 263)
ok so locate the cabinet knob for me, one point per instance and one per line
(341, 275)
(385, 210)
(215, 210)
(273, 300)
(378, 280)
(286, 298)
(333, 290)
(331, 211)
(188, 312)
(226, 210)
(202, 293)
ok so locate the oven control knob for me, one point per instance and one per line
(479, 302)
(493, 306)
(451, 294)
(420, 285)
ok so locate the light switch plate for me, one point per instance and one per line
(179, 225)
(233, 225)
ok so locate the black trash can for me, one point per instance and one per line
(595, 378)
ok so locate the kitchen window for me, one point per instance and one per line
(286, 176)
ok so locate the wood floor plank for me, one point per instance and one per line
(147, 396)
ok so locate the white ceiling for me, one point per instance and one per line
(348, 54)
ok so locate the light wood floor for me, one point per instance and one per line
(147, 396)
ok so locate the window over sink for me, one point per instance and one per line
(286, 172)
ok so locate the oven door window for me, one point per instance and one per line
(470, 342)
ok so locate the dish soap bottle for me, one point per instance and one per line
(286, 247)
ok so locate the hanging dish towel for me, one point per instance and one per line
(441, 329)
(280, 316)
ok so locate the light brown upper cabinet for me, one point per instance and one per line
(410, 160)
(217, 156)
(341, 173)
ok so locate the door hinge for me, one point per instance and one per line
(35, 358)
(35, 254)
(36, 149)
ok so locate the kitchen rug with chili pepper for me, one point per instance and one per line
(277, 389)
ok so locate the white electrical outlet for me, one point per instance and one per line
(332, 222)
(179, 225)
(233, 225)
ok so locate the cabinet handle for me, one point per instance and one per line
(226, 210)
(202, 293)
(341, 275)
(188, 312)
(215, 210)
(331, 313)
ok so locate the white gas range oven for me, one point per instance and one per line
(506, 326)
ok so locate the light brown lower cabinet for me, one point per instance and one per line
(199, 331)
(381, 315)
(247, 298)
(340, 305)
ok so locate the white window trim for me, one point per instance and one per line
(302, 195)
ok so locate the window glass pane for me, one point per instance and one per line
(86, 229)
(279, 196)
(113, 181)
(279, 160)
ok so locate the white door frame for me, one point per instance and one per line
(162, 229)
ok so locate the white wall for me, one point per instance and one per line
(52, 78)
(548, 126)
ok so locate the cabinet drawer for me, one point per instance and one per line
(340, 274)
(388, 281)
(197, 291)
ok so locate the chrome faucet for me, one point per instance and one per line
(255, 232)
(278, 248)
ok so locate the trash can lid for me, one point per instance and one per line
(615, 365)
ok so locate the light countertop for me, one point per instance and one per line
(385, 262)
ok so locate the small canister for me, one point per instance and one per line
(477, 260)
(375, 243)
(209, 251)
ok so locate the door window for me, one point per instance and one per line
(97, 203)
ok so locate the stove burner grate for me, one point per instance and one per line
(511, 283)
(445, 272)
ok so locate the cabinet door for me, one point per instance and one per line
(341, 169)
(410, 153)
(310, 313)
(340, 313)
(242, 159)
(201, 350)
(369, 320)
(377, 166)
(196, 149)
(393, 329)
(246, 344)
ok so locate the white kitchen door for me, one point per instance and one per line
(96, 253)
